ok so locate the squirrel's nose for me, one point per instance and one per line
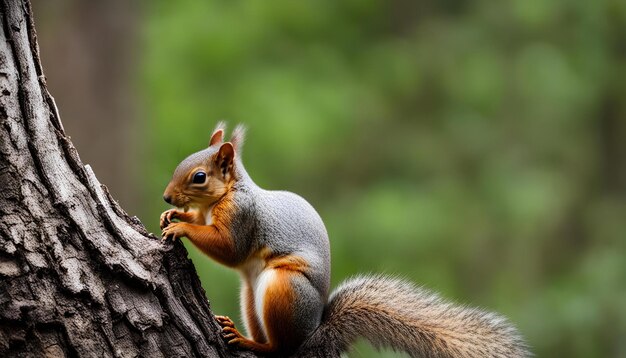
(167, 198)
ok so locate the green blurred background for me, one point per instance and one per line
(475, 147)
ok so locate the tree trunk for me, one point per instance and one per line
(78, 276)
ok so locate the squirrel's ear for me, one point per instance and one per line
(239, 135)
(225, 158)
(217, 137)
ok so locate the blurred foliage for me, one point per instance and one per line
(477, 148)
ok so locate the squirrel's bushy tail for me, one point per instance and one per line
(394, 313)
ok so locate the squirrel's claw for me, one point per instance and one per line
(166, 218)
(163, 220)
(173, 231)
(166, 238)
(225, 321)
(236, 341)
(232, 335)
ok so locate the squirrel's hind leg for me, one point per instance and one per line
(290, 309)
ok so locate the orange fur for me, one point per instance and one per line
(278, 316)
(209, 240)
(288, 262)
(193, 217)
(215, 240)
(223, 212)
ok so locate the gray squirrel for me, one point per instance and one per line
(279, 245)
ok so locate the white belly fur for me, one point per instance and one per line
(263, 281)
(258, 278)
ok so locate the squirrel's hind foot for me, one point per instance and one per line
(232, 336)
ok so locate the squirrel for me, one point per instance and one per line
(279, 245)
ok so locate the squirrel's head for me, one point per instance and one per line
(205, 176)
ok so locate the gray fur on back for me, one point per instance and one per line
(293, 226)
(286, 223)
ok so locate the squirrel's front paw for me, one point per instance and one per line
(173, 231)
(167, 217)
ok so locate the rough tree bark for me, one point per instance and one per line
(78, 276)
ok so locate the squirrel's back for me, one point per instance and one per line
(287, 224)
(291, 221)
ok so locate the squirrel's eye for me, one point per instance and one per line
(199, 177)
